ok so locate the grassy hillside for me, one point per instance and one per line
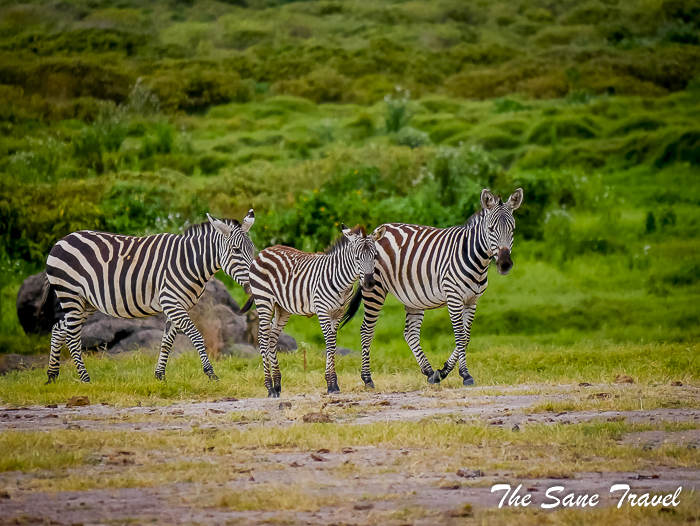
(139, 120)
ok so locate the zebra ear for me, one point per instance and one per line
(347, 232)
(487, 199)
(516, 199)
(378, 233)
(221, 227)
(248, 220)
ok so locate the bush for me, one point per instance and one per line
(195, 88)
(412, 138)
(397, 109)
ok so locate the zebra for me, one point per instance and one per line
(428, 268)
(135, 277)
(286, 281)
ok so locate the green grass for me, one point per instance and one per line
(128, 380)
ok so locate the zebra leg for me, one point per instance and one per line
(467, 379)
(74, 325)
(411, 332)
(457, 316)
(264, 332)
(281, 319)
(330, 330)
(165, 345)
(58, 338)
(374, 301)
(181, 319)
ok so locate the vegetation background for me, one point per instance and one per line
(138, 118)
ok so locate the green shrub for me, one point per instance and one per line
(324, 85)
(412, 138)
(498, 142)
(550, 131)
(397, 110)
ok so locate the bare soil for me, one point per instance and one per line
(408, 496)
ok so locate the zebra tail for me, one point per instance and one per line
(352, 309)
(45, 292)
(248, 305)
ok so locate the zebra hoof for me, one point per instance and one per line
(271, 393)
(213, 377)
(435, 378)
(369, 384)
(85, 380)
(333, 389)
(51, 380)
(160, 376)
(468, 381)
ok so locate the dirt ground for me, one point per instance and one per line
(410, 496)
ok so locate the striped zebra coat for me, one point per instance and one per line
(286, 281)
(134, 277)
(428, 268)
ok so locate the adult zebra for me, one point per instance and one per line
(428, 268)
(135, 277)
(286, 281)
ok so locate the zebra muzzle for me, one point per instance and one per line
(369, 281)
(503, 262)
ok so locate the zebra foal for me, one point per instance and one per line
(135, 277)
(428, 268)
(286, 281)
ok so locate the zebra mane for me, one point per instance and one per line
(478, 215)
(474, 219)
(339, 243)
(206, 226)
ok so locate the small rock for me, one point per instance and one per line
(294, 465)
(451, 486)
(617, 419)
(195, 423)
(51, 406)
(584, 384)
(347, 450)
(51, 416)
(317, 458)
(227, 399)
(516, 428)
(4, 495)
(73, 427)
(317, 418)
(496, 423)
(677, 384)
(216, 411)
(383, 402)
(364, 506)
(469, 473)
(78, 401)
(323, 450)
(623, 379)
(285, 405)
(600, 396)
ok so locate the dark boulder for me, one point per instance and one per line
(28, 299)
(216, 316)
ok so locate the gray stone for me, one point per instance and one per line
(286, 343)
(243, 350)
(216, 316)
(101, 330)
(27, 302)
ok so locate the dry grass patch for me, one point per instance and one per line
(276, 497)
